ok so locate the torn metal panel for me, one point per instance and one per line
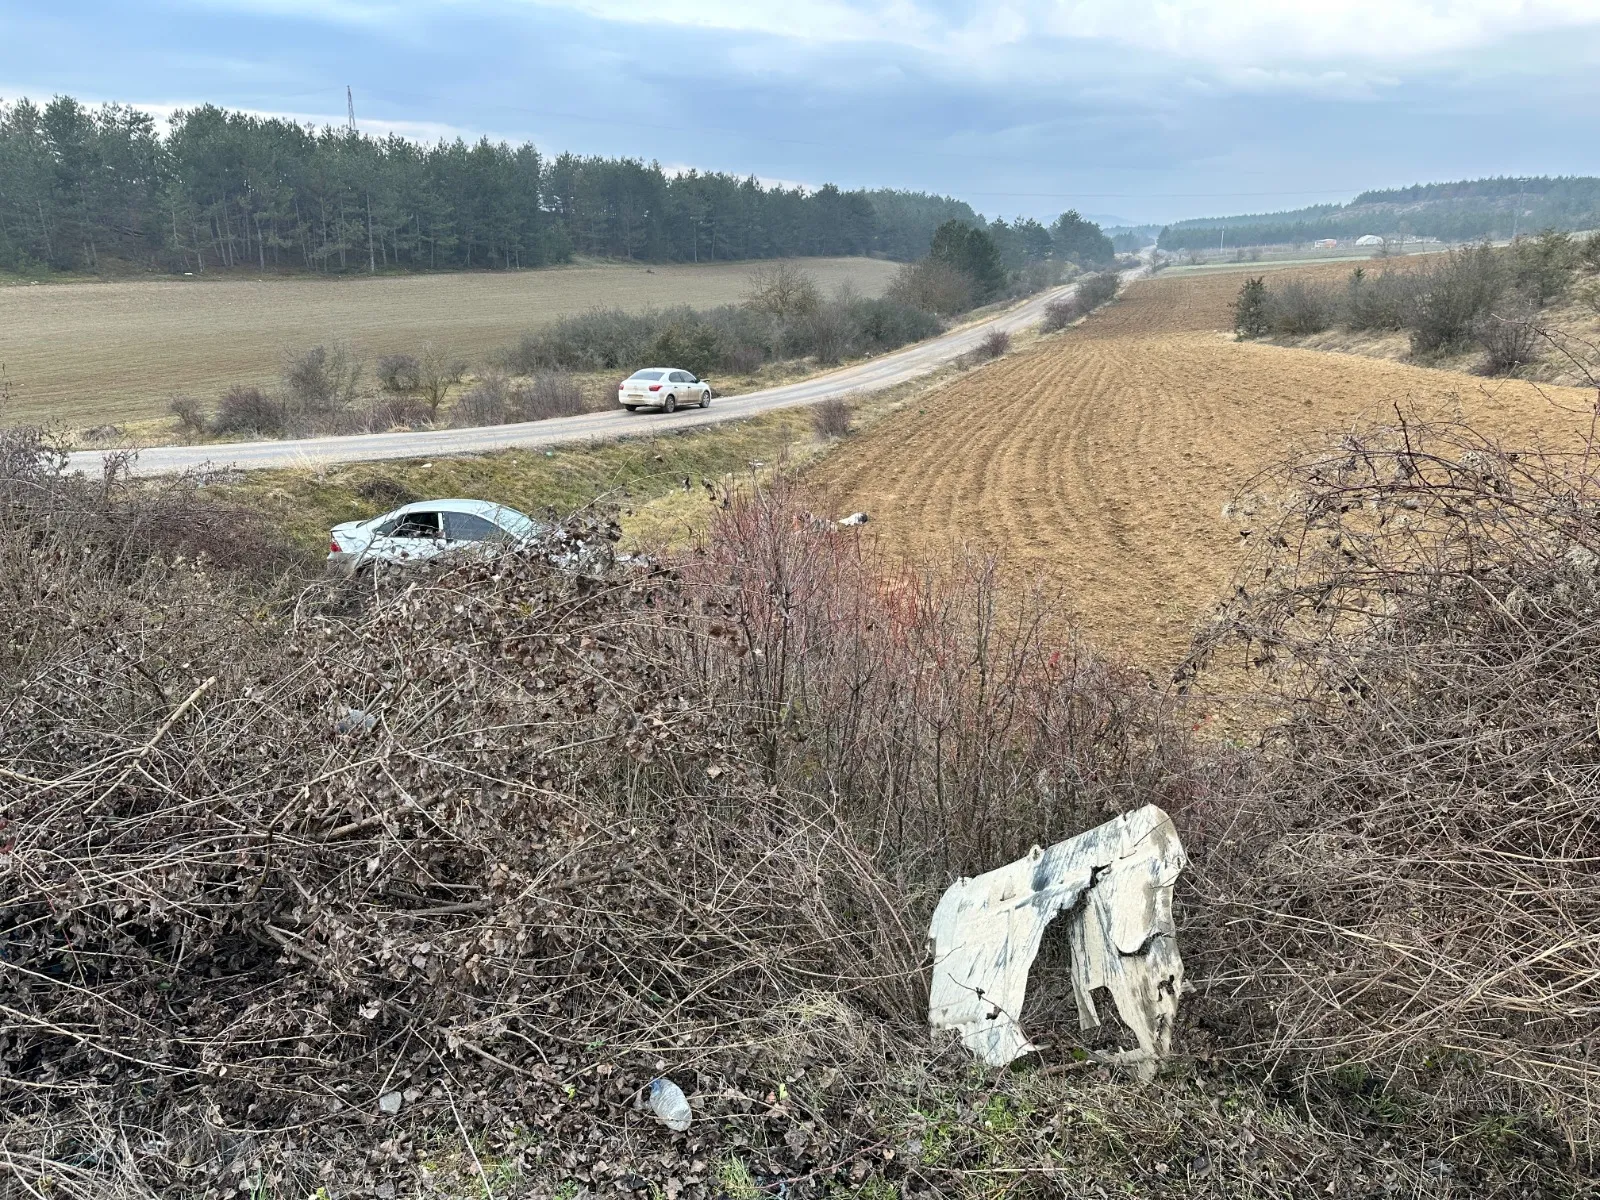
(1114, 883)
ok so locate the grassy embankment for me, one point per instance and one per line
(642, 476)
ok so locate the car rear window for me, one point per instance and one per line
(647, 376)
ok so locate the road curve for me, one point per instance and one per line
(873, 375)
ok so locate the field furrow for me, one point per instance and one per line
(1103, 456)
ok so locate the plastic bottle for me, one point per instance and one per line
(669, 1104)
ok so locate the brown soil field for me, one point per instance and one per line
(87, 353)
(1102, 457)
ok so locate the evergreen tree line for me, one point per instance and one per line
(82, 188)
(1467, 210)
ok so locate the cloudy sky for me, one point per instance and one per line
(1147, 109)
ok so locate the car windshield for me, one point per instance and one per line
(646, 376)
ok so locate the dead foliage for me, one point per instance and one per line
(1413, 883)
(994, 343)
(830, 418)
(1058, 314)
(497, 843)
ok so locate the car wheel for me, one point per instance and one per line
(631, 407)
(670, 404)
(705, 398)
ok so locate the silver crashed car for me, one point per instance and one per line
(425, 529)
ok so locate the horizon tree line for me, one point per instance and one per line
(84, 188)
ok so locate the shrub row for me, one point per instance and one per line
(321, 395)
(1474, 295)
(1089, 295)
(496, 400)
(729, 338)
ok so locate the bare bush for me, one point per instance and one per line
(695, 346)
(496, 400)
(993, 344)
(830, 418)
(825, 333)
(508, 827)
(400, 373)
(322, 378)
(437, 373)
(1378, 302)
(1098, 289)
(1510, 339)
(486, 402)
(1299, 308)
(1058, 314)
(1425, 606)
(745, 360)
(191, 415)
(933, 286)
(783, 290)
(548, 394)
(249, 410)
(1453, 296)
(385, 414)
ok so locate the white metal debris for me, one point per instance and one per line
(1114, 884)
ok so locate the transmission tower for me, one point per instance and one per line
(350, 107)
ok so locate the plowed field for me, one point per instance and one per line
(1104, 455)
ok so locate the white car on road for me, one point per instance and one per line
(666, 388)
(426, 529)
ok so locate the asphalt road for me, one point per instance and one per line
(874, 375)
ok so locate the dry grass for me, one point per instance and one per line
(643, 476)
(1413, 879)
(1105, 456)
(85, 354)
(1573, 316)
(589, 827)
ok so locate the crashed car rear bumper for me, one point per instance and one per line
(342, 562)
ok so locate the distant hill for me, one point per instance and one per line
(1453, 212)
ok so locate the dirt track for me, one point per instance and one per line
(1104, 456)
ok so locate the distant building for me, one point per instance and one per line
(1327, 243)
(1369, 239)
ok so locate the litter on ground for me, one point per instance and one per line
(1114, 884)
